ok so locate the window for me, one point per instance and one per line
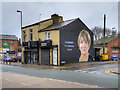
(24, 36)
(47, 35)
(12, 48)
(12, 42)
(31, 35)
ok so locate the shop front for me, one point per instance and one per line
(48, 53)
(31, 52)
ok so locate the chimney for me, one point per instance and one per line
(55, 18)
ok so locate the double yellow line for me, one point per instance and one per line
(25, 84)
(109, 71)
(65, 67)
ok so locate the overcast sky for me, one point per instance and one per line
(91, 13)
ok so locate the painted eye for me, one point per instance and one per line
(81, 41)
(85, 41)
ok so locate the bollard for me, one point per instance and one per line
(9, 62)
(6, 62)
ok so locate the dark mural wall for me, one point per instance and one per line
(69, 48)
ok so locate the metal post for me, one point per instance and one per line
(104, 33)
(21, 16)
(21, 20)
(112, 40)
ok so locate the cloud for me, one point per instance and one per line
(91, 13)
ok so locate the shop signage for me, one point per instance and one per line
(43, 44)
(5, 45)
(30, 44)
(47, 43)
(34, 44)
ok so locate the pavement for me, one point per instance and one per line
(116, 71)
(68, 66)
(14, 80)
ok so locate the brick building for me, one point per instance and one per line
(112, 45)
(9, 45)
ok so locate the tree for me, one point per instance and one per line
(99, 32)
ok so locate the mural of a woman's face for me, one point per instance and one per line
(84, 42)
(83, 46)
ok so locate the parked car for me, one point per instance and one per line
(6, 59)
(115, 58)
(10, 59)
(18, 58)
(13, 59)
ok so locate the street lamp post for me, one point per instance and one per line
(21, 16)
(112, 40)
(21, 19)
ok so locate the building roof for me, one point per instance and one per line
(35, 23)
(8, 37)
(59, 25)
(108, 39)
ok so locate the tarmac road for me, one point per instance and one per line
(99, 69)
(100, 79)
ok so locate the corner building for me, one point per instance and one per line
(53, 41)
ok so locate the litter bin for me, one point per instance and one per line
(104, 57)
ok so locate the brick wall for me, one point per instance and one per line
(14, 44)
(115, 43)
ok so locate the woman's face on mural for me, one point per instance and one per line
(83, 46)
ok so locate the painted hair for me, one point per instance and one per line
(85, 35)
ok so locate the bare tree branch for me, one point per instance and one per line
(99, 32)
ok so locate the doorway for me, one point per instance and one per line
(55, 58)
(45, 56)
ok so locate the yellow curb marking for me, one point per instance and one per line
(45, 89)
(108, 71)
(81, 66)
(9, 80)
(25, 84)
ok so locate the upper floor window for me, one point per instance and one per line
(47, 35)
(31, 35)
(24, 36)
(12, 42)
(12, 48)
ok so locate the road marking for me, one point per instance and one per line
(84, 66)
(91, 72)
(25, 84)
(21, 83)
(70, 82)
(106, 66)
(9, 80)
(109, 71)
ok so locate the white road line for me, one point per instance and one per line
(67, 81)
